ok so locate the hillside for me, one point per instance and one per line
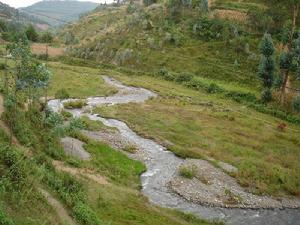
(58, 12)
(13, 15)
(169, 112)
(147, 38)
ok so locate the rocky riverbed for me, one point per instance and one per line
(211, 194)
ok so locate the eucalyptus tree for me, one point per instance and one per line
(267, 66)
(289, 63)
(30, 76)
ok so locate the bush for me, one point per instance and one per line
(188, 171)
(208, 29)
(31, 33)
(266, 95)
(166, 75)
(77, 104)
(3, 66)
(213, 88)
(296, 103)
(85, 214)
(46, 37)
(183, 77)
(62, 94)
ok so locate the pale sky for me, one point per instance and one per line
(23, 3)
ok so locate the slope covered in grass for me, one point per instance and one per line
(20, 201)
(151, 39)
(200, 126)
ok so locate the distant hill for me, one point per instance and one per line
(10, 14)
(55, 12)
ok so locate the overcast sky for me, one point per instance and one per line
(23, 3)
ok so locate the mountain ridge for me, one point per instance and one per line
(59, 12)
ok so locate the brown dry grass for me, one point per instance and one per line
(230, 14)
(40, 49)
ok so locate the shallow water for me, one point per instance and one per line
(162, 164)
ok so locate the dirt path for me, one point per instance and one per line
(58, 207)
(90, 174)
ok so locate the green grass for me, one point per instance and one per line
(201, 125)
(20, 201)
(187, 172)
(79, 82)
(92, 125)
(119, 205)
(115, 165)
(121, 201)
(78, 104)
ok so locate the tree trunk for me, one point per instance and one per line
(295, 15)
(283, 87)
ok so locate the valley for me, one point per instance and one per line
(154, 112)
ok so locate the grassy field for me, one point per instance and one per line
(120, 201)
(77, 81)
(201, 125)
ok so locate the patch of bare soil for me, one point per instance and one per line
(40, 49)
(90, 174)
(213, 187)
(58, 207)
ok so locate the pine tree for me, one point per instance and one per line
(267, 66)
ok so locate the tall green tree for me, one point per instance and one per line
(31, 33)
(289, 36)
(267, 66)
(31, 76)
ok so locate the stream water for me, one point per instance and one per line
(162, 164)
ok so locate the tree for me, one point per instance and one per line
(31, 76)
(46, 37)
(289, 39)
(31, 33)
(267, 66)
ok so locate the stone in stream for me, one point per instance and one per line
(74, 147)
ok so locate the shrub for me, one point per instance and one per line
(62, 94)
(296, 103)
(213, 88)
(183, 77)
(188, 171)
(85, 214)
(166, 75)
(77, 104)
(3, 66)
(208, 29)
(266, 95)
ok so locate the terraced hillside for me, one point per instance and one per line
(149, 39)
